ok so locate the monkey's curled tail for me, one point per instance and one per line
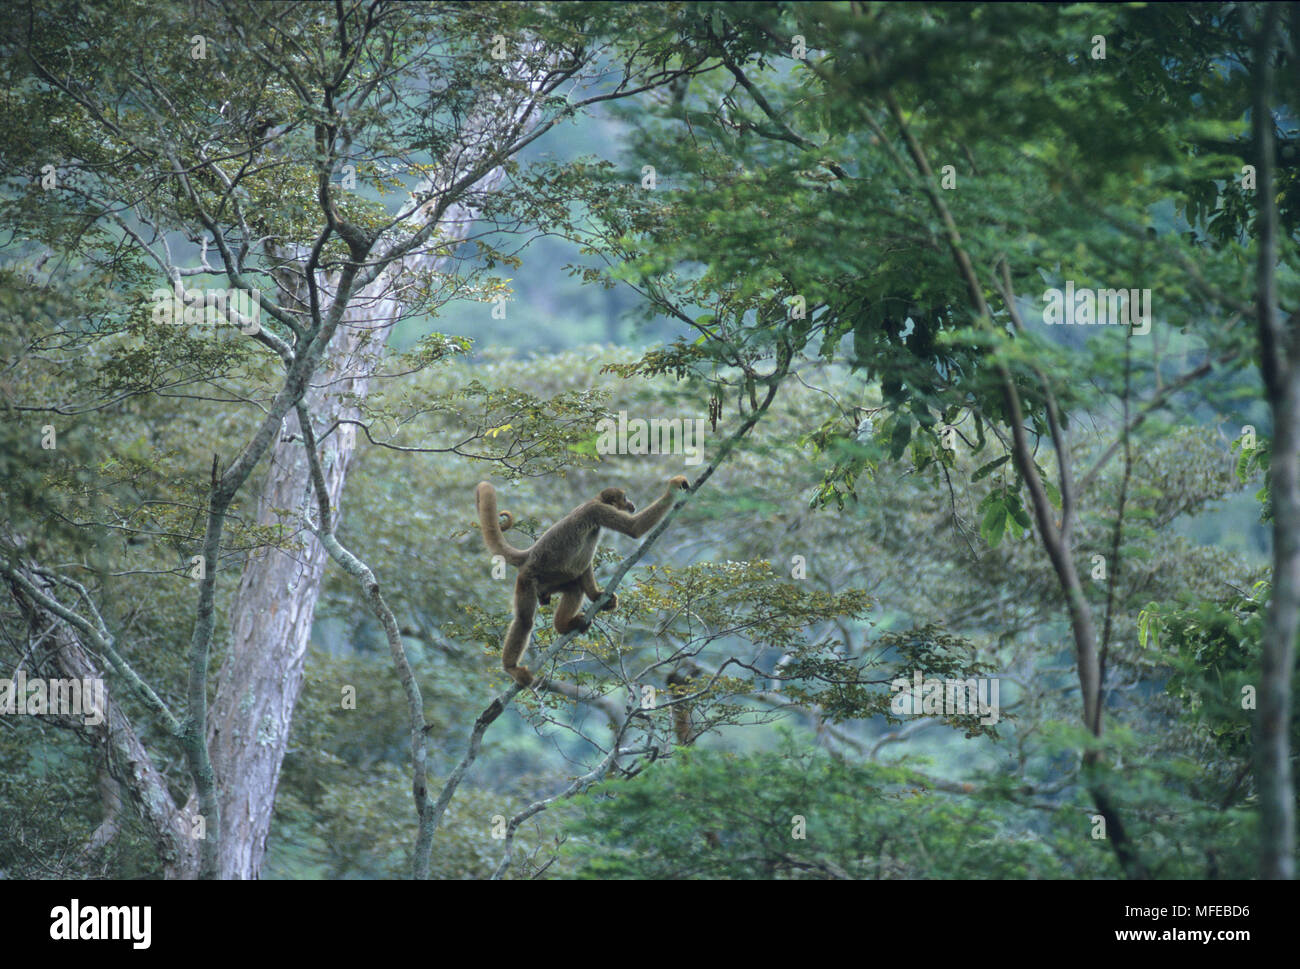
(490, 522)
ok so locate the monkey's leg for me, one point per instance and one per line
(588, 580)
(567, 613)
(521, 629)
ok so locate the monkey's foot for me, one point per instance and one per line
(520, 674)
(611, 605)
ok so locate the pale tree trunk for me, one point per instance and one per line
(234, 750)
(272, 611)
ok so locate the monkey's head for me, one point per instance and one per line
(618, 498)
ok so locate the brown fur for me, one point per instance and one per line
(560, 561)
(682, 678)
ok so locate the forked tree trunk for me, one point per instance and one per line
(272, 611)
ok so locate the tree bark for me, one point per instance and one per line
(1280, 366)
(273, 608)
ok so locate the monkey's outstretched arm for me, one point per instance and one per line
(640, 523)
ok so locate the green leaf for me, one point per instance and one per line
(1018, 513)
(994, 524)
(992, 466)
(1053, 493)
(899, 439)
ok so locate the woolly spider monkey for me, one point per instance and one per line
(560, 561)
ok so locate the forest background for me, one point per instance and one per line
(824, 234)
